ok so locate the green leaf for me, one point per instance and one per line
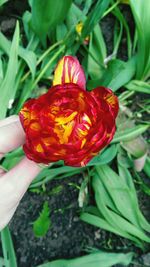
(139, 8)
(118, 31)
(138, 86)
(43, 222)
(116, 75)
(129, 134)
(28, 56)
(61, 31)
(106, 156)
(87, 6)
(119, 73)
(97, 49)
(137, 147)
(99, 258)
(8, 248)
(2, 2)
(30, 85)
(116, 12)
(44, 18)
(48, 174)
(147, 167)
(145, 188)
(117, 205)
(102, 223)
(1, 71)
(94, 17)
(124, 217)
(125, 174)
(8, 83)
(2, 263)
(74, 16)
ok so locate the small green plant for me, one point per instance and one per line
(43, 222)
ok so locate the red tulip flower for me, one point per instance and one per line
(69, 123)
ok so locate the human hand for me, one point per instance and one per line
(13, 184)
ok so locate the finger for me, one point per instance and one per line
(18, 179)
(13, 186)
(8, 120)
(6, 218)
(11, 135)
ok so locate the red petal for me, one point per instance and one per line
(106, 95)
(25, 113)
(69, 123)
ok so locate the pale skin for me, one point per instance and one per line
(13, 184)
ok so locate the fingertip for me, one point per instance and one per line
(9, 120)
(11, 136)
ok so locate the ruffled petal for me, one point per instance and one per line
(104, 95)
(69, 123)
(26, 115)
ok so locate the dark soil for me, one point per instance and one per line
(68, 236)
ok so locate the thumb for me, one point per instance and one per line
(13, 185)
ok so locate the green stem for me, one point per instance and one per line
(88, 51)
(41, 58)
(111, 8)
(47, 66)
(126, 95)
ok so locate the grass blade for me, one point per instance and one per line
(7, 86)
(98, 258)
(129, 134)
(94, 17)
(8, 249)
(44, 18)
(28, 56)
(138, 86)
(139, 8)
(2, 2)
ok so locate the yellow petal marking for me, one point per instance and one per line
(67, 131)
(54, 110)
(108, 135)
(67, 78)
(82, 132)
(61, 152)
(87, 119)
(83, 142)
(58, 72)
(48, 140)
(35, 126)
(39, 148)
(64, 126)
(110, 99)
(63, 120)
(63, 132)
(26, 115)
